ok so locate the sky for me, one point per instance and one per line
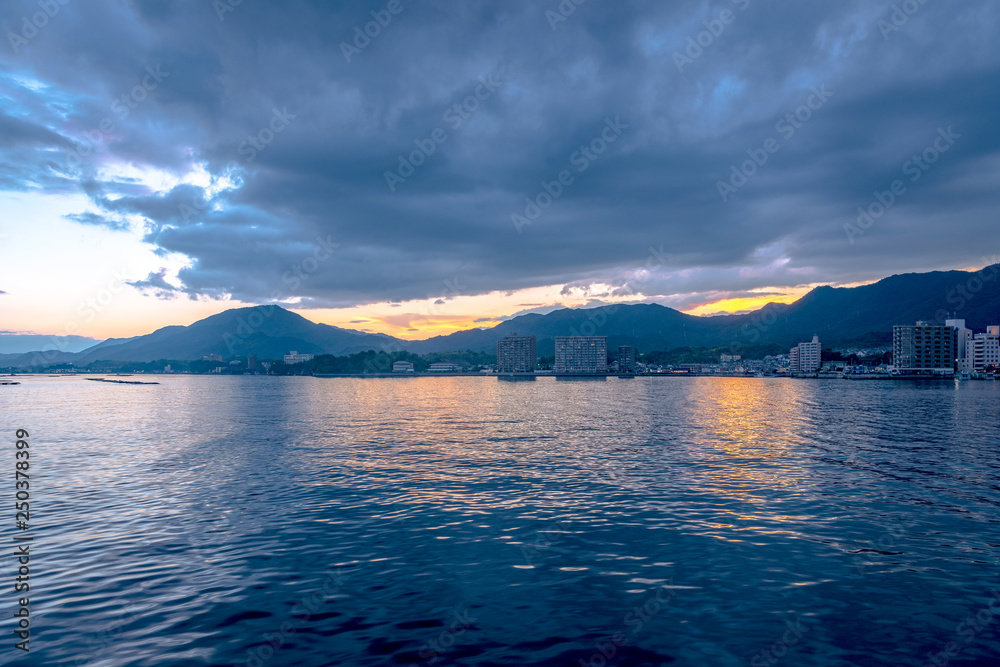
(420, 167)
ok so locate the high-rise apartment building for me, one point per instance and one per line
(924, 349)
(517, 354)
(963, 345)
(806, 357)
(626, 359)
(581, 354)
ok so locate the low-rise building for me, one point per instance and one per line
(984, 350)
(444, 367)
(294, 357)
(402, 367)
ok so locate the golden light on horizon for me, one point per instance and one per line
(746, 304)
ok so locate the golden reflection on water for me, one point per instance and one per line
(732, 441)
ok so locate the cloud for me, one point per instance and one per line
(98, 221)
(250, 204)
(155, 283)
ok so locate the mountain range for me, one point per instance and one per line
(840, 316)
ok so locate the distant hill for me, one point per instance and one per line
(267, 331)
(841, 317)
(21, 343)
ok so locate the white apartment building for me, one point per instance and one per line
(976, 352)
(985, 349)
(806, 357)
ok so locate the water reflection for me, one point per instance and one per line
(186, 522)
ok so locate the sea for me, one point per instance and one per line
(255, 520)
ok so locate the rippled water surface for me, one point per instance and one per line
(470, 521)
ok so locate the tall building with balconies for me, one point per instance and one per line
(806, 357)
(924, 349)
(517, 354)
(626, 359)
(581, 354)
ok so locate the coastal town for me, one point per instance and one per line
(921, 350)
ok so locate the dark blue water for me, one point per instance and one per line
(466, 521)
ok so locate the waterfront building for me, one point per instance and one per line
(402, 367)
(963, 346)
(444, 367)
(806, 357)
(294, 357)
(517, 354)
(984, 352)
(581, 354)
(924, 349)
(626, 359)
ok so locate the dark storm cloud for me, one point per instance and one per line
(297, 141)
